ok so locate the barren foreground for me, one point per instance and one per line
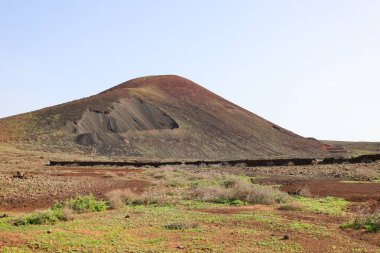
(186, 209)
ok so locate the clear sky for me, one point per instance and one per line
(312, 67)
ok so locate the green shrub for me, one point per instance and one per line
(86, 203)
(41, 218)
(63, 211)
(237, 202)
(369, 222)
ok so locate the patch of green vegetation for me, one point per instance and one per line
(369, 222)
(53, 118)
(237, 202)
(65, 241)
(308, 228)
(56, 213)
(157, 240)
(259, 216)
(147, 222)
(85, 203)
(15, 250)
(278, 245)
(328, 205)
(50, 216)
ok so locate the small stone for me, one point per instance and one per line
(180, 247)
(49, 231)
(286, 237)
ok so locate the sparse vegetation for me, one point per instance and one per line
(245, 193)
(50, 216)
(163, 215)
(63, 211)
(369, 222)
(117, 198)
(327, 205)
(236, 190)
(86, 204)
(304, 191)
(292, 206)
(181, 225)
(153, 196)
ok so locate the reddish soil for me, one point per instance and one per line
(350, 191)
(11, 239)
(42, 188)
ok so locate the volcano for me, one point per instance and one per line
(156, 117)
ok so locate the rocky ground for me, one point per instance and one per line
(183, 224)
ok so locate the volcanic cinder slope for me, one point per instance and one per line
(156, 117)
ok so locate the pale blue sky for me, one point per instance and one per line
(309, 66)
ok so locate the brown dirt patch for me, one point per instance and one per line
(41, 191)
(349, 191)
(364, 236)
(11, 239)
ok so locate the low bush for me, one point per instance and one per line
(63, 211)
(369, 222)
(238, 191)
(41, 218)
(292, 206)
(118, 198)
(304, 191)
(153, 196)
(86, 203)
(67, 214)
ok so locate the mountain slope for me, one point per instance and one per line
(160, 117)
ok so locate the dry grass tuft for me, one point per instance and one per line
(367, 221)
(117, 198)
(304, 191)
(235, 189)
(67, 213)
(292, 206)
